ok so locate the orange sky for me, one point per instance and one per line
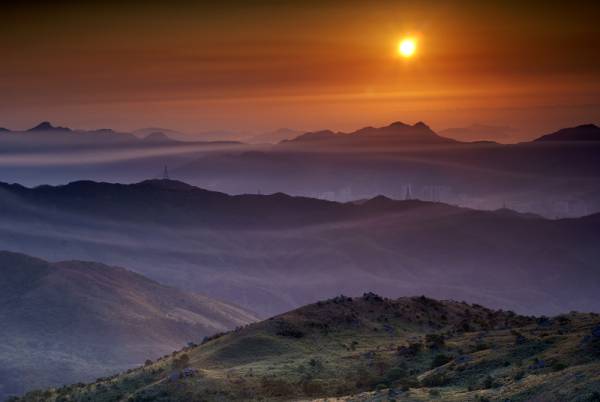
(306, 65)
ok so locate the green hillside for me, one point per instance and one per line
(371, 348)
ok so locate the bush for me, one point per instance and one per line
(395, 374)
(288, 330)
(489, 382)
(313, 387)
(315, 364)
(481, 346)
(435, 380)
(440, 360)
(558, 366)
(182, 362)
(409, 382)
(415, 348)
(276, 387)
(434, 341)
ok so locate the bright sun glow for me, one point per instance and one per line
(407, 47)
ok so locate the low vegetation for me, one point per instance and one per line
(372, 349)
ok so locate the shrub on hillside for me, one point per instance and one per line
(313, 387)
(276, 387)
(489, 382)
(435, 341)
(440, 360)
(287, 329)
(435, 380)
(558, 366)
(181, 362)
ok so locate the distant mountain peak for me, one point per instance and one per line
(47, 126)
(105, 131)
(588, 126)
(398, 124)
(157, 136)
(401, 125)
(396, 133)
(583, 132)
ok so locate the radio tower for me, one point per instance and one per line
(165, 175)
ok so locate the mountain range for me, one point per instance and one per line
(271, 253)
(46, 136)
(395, 134)
(550, 178)
(371, 348)
(72, 321)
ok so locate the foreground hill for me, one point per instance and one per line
(273, 253)
(412, 349)
(74, 321)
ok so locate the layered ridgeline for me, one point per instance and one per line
(272, 253)
(46, 136)
(75, 321)
(557, 175)
(376, 349)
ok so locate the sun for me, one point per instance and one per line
(407, 47)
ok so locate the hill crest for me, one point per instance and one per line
(413, 348)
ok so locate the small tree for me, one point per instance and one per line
(182, 362)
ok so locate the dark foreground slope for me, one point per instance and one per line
(73, 321)
(371, 348)
(273, 253)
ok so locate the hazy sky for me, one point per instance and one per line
(306, 65)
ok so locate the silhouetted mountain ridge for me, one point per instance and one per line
(158, 136)
(178, 203)
(48, 138)
(47, 126)
(397, 133)
(584, 132)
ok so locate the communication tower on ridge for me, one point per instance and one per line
(165, 175)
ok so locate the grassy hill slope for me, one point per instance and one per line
(371, 348)
(73, 321)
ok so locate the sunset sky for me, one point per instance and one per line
(305, 65)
